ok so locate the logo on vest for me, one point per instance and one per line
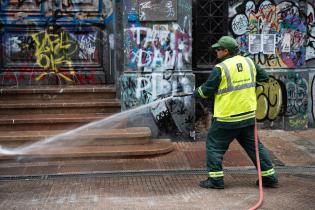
(239, 67)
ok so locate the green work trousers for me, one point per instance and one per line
(219, 140)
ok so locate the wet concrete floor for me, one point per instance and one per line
(177, 191)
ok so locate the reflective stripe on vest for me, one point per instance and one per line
(237, 118)
(228, 79)
(268, 172)
(216, 174)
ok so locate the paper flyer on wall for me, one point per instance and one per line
(269, 43)
(254, 45)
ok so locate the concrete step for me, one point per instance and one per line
(47, 121)
(127, 136)
(154, 147)
(47, 93)
(30, 114)
(15, 107)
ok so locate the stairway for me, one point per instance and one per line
(30, 114)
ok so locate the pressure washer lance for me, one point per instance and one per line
(182, 94)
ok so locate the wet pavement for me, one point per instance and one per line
(24, 184)
(155, 192)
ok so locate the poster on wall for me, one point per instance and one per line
(269, 43)
(254, 43)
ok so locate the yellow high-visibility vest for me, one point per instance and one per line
(235, 99)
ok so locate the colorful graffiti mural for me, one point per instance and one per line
(56, 42)
(292, 24)
(152, 46)
(157, 60)
(284, 19)
(283, 101)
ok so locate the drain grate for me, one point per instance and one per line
(294, 170)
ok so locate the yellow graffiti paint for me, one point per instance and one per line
(269, 100)
(53, 50)
(298, 122)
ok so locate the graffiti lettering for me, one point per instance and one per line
(269, 100)
(87, 46)
(269, 60)
(157, 49)
(298, 122)
(297, 96)
(53, 50)
(159, 86)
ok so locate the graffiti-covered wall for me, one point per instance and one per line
(310, 42)
(272, 33)
(283, 101)
(157, 60)
(278, 35)
(311, 115)
(55, 42)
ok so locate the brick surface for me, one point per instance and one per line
(294, 148)
(287, 148)
(178, 192)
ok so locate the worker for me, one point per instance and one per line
(232, 82)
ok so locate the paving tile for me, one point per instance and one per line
(178, 192)
(286, 148)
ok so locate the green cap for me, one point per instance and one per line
(226, 42)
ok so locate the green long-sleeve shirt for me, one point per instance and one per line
(210, 87)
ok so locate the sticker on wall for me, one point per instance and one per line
(269, 44)
(239, 24)
(254, 43)
(286, 42)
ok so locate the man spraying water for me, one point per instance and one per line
(233, 82)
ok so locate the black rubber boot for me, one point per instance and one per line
(268, 184)
(212, 183)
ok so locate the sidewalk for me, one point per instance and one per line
(294, 148)
(179, 191)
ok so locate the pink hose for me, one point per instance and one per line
(261, 193)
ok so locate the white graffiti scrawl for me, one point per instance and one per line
(87, 46)
(157, 48)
